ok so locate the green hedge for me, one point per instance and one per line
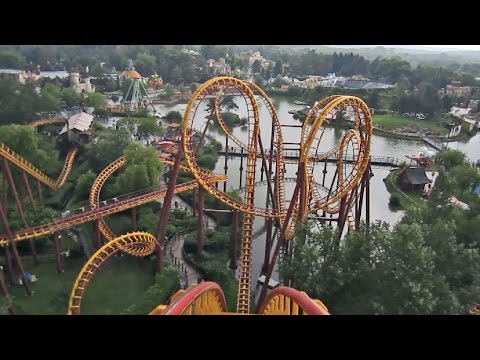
(159, 293)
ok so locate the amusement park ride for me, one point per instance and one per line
(341, 202)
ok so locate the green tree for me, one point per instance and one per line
(169, 91)
(228, 103)
(165, 283)
(450, 158)
(142, 169)
(278, 81)
(404, 271)
(257, 67)
(213, 51)
(11, 59)
(147, 220)
(278, 68)
(207, 161)
(173, 116)
(26, 142)
(70, 97)
(84, 184)
(19, 103)
(149, 127)
(97, 70)
(96, 100)
(176, 75)
(268, 72)
(145, 64)
(257, 79)
(50, 97)
(108, 148)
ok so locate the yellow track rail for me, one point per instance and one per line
(363, 120)
(102, 178)
(217, 85)
(137, 244)
(203, 299)
(189, 151)
(99, 212)
(23, 164)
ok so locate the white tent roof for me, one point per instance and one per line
(80, 122)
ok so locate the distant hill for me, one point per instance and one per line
(438, 56)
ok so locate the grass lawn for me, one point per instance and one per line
(394, 122)
(118, 284)
(120, 223)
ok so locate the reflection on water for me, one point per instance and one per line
(471, 147)
(380, 146)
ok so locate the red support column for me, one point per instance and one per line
(6, 170)
(358, 213)
(40, 194)
(13, 247)
(367, 200)
(134, 219)
(58, 255)
(201, 227)
(268, 245)
(194, 205)
(280, 241)
(167, 202)
(234, 240)
(342, 215)
(9, 264)
(97, 233)
(30, 194)
(225, 166)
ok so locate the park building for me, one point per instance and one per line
(81, 84)
(79, 128)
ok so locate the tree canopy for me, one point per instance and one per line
(108, 148)
(142, 169)
(428, 263)
(410, 269)
(149, 127)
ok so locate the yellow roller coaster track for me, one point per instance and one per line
(189, 150)
(350, 138)
(23, 164)
(99, 212)
(278, 144)
(102, 178)
(365, 123)
(105, 174)
(137, 244)
(208, 299)
(243, 299)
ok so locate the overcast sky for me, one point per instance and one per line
(463, 47)
(431, 47)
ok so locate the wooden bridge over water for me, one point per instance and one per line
(383, 161)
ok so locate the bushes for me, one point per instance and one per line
(61, 196)
(215, 240)
(213, 266)
(394, 201)
(157, 294)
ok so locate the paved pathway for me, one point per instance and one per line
(175, 245)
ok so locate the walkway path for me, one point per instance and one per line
(175, 245)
